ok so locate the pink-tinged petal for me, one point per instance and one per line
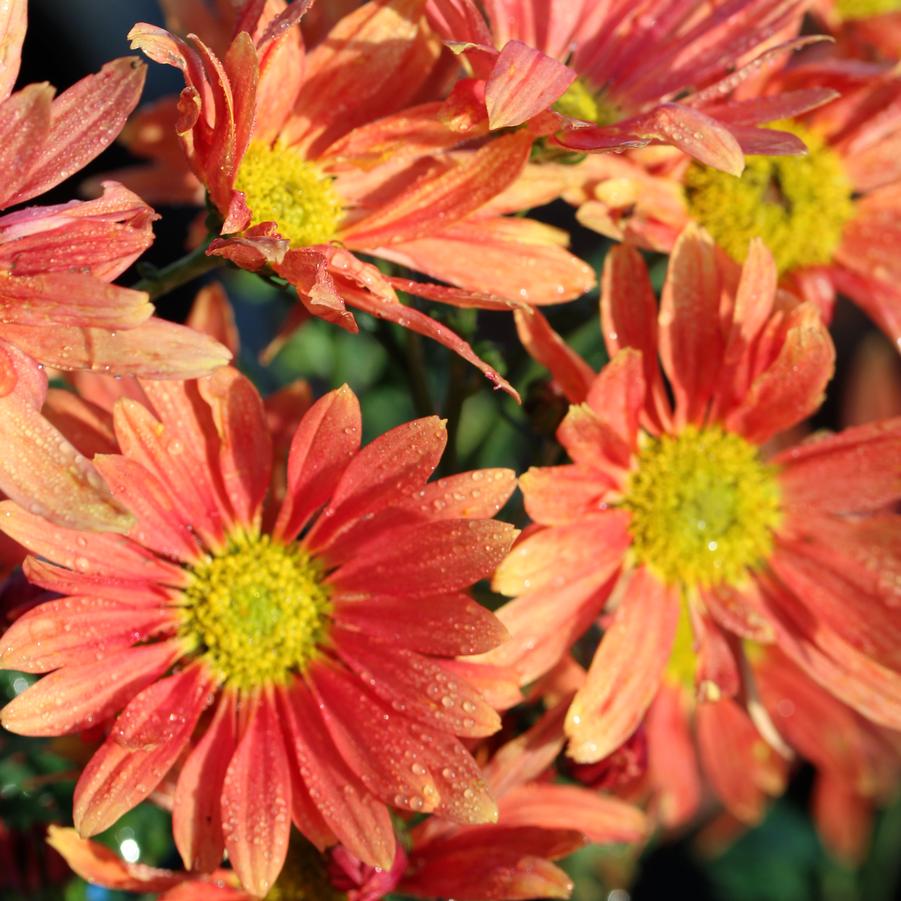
(691, 342)
(716, 672)
(258, 247)
(556, 495)
(523, 83)
(629, 319)
(843, 816)
(617, 395)
(322, 447)
(853, 677)
(433, 199)
(591, 442)
(158, 526)
(498, 685)
(256, 800)
(792, 387)
(785, 105)
(392, 310)
(742, 767)
(117, 779)
(601, 818)
(446, 625)
(493, 863)
(361, 823)
(437, 556)
(369, 64)
(459, 20)
(571, 550)
(543, 624)
(245, 448)
(853, 471)
(419, 685)
(387, 471)
(396, 764)
(39, 467)
(137, 592)
(86, 552)
(13, 22)
(752, 308)
(85, 120)
(98, 864)
(693, 132)
(626, 671)
(479, 494)
(86, 425)
(196, 811)
(518, 259)
(100, 237)
(211, 313)
(571, 373)
(157, 715)
(68, 631)
(307, 269)
(672, 758)
(85, 694)
(740, 611)
(178, 462)
(839, 603)
(241, 67)
(154, 350)
(24, 124)
(71, 298)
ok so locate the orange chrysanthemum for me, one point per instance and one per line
(308, 678)
(312, 159)
(629, 73)
(669, 511)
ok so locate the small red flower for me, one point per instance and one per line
(307, 679)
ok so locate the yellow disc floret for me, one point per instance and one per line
(704, 507)
(580, 102)
(798, 205)
(282, 187)
(256, 612)
(864, 9)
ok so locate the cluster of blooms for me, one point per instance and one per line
(269, 629)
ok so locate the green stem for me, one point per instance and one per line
(418, 375)
(157, 282)
(458, 389)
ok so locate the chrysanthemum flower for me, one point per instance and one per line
(627, 74)
(513, 859)
(669, 511)
(303, 678)
(831, 218)
(305, 174)
(858, 764)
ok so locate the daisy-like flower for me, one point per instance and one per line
(626, 74)
(831, 219)
(511, 860)
(670, 511)
(305, 174)
(307, 679)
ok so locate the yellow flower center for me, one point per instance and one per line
(704, 507)
(256, 613)
(282, 187)
(798, 205)
(580, 102)
(863, 9)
